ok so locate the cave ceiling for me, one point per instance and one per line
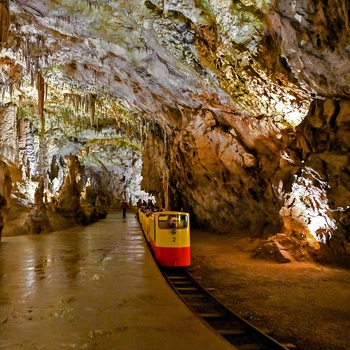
(261, 58)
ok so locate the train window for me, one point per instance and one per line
(167, 221)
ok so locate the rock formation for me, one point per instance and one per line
(236, 111)
(38, 220)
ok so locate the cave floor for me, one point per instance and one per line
(306, 304)
(92, 287)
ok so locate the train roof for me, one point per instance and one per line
(168, 212)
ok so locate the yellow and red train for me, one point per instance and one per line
(168, 235)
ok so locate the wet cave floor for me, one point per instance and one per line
(306, 304)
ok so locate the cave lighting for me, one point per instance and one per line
(307, 206)
(294, 118)
(27, 189)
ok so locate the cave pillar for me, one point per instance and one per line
(38, 220)
(4, 20)
(41, 100)
(8, 133)
(41, 97)
(39, 193)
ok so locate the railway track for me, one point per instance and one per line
(236, 330)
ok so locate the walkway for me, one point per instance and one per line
(94, 287)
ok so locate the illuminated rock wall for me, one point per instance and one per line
(218, 174)
(321, 185)
(262, 182)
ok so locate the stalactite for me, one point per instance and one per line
(140, 130)
(22, 134)
(41, 96)
(20, 100)
(11, 90)
(31, 78)
(86, 103)
(26, 54)
(92, 109)
(128, 130)
(4, 20)
(76, 102)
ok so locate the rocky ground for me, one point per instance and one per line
(306, 304)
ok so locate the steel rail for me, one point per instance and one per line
(235, 329)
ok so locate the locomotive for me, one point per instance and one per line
(168, 235)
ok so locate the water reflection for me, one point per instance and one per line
(67, 258)
(57, 277)
(39, 269)
(35, 262)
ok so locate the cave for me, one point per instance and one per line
(237, 112)
(238, 115)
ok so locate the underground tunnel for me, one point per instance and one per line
(237, 112)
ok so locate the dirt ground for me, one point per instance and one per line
(305, 304)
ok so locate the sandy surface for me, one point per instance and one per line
(306, 304)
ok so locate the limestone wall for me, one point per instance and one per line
(246, 175)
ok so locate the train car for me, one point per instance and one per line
(168, 235)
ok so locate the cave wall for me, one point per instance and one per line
(38, 162)
(216, 174)
(155, 165)
(239, 174)
(320, 151)
(8, 132)
(277, 160)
